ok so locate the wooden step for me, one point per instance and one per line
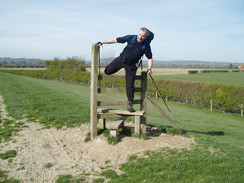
(127, 113)
(115, 125)
(121, 112)
(117, 103)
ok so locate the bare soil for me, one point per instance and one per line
(44, 154)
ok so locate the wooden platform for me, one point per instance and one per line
(113, 126)
(104, 113)
(119, 112)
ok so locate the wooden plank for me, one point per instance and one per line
(127, 113)
(143, 106)
(118, 113)
(122, 112)
(114, 103)
(102, 123)
(116, 124)
(107, 115)
(113, 132)
(93, 91)
(164, 114)
(137, 125)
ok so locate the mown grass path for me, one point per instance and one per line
(218, 156)
(52, 103)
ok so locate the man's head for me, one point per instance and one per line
(142, 34)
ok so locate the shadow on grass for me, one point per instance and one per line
(211, 133)
(172, 130)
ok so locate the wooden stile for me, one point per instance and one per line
(98, 116)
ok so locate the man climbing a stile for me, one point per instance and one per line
(130, 59)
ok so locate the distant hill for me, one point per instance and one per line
(193, 63)
(21, 62)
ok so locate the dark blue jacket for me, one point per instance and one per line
(134, 50)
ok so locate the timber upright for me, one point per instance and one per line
(98, 115)
(93, 90)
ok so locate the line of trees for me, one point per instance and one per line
(21, 62)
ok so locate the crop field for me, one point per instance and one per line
(231, 78)
(59, 107)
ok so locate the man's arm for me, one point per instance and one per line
(149, 66)
(109, 41)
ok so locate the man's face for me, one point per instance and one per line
(142, 35)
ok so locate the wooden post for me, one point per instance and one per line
(93, 90)
(211, 105)
(143, 107)
(102, 123)
(242, 110)
(137, 125)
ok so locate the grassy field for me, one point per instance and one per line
(50, 102)
(156, 71)
(217, 157)
(232, 78)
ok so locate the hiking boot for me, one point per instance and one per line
(130, 106)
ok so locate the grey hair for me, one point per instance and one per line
(144, 29)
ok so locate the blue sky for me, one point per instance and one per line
(209, 30)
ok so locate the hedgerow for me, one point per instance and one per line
(223, 97)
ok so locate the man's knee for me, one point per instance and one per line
(106, 71)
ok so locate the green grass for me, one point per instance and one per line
(8, 128)
(217, 157)
(4, 178)
(8, 154)
(53, 103)
(212, 130)
(233, 78)
(219, 127)
(179, 167)
(69, 179)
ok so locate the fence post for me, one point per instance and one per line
(242, 110)
(143, 106)
(93, 90)
(211, 104)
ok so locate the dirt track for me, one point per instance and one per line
(44, 154)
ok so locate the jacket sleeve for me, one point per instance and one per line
(148, 52)
(124, 39)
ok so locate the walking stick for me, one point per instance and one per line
(159, 92)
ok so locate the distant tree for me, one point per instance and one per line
(232, 66)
